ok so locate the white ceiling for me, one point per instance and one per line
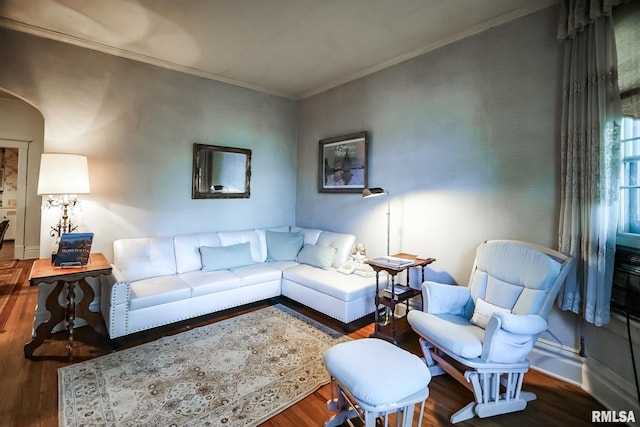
(291, 48)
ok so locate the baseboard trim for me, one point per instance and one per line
(599, 381)
(560, 362)
(609, 388)
(606, 386)
(30, 252)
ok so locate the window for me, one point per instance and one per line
(629, 221)
(626, 20)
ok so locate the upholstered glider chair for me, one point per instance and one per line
(482, 334)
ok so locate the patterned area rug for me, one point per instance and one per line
(9, 284)
(236, 372)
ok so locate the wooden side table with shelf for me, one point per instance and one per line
(65, 279)
(390, 331)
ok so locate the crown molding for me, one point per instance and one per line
(77, 41)
(476, 29)
(123, 53)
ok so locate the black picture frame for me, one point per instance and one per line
(343, 163)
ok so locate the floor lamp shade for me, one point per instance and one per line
(63, 174)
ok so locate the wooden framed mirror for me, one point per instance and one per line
(221, 172)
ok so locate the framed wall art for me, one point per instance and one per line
(221, 172)
(342, 166)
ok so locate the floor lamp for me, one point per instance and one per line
(375, 192)
(62, 177)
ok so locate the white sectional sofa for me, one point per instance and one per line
(161, 280)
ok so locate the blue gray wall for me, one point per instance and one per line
(137, 124)
(465, 139)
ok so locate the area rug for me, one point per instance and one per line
(236, 372)
(9, 284)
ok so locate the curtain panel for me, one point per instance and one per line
(590, 150)
(576, 15)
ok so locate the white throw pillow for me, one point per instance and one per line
(317, 256)
(483, 312)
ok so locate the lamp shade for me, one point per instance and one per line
(63, 174)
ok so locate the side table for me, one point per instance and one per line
(65, 279)
(389, 332)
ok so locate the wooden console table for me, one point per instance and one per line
(389, 332)
(65, 279)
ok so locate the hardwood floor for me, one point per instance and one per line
(29, 388)
(6, 252)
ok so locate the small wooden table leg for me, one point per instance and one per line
(376, 314)
(43, 331)
(93, 319)
(71, 315)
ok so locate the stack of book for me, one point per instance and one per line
(393, 262)
(398, 291)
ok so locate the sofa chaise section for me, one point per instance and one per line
(345, 298)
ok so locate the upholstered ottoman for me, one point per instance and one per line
(373, 378)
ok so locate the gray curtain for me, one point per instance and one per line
(590, 150)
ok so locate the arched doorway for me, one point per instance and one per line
(21, 134)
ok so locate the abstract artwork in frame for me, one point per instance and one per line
(342, 164)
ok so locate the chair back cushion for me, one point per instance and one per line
(514, 276)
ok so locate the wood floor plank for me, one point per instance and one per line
(30, 396)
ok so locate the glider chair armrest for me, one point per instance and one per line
(440, 298)
(522, 324)
(509, 338)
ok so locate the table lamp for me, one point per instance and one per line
(62, 177)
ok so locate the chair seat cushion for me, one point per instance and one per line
(357, 366)
(455, 333)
